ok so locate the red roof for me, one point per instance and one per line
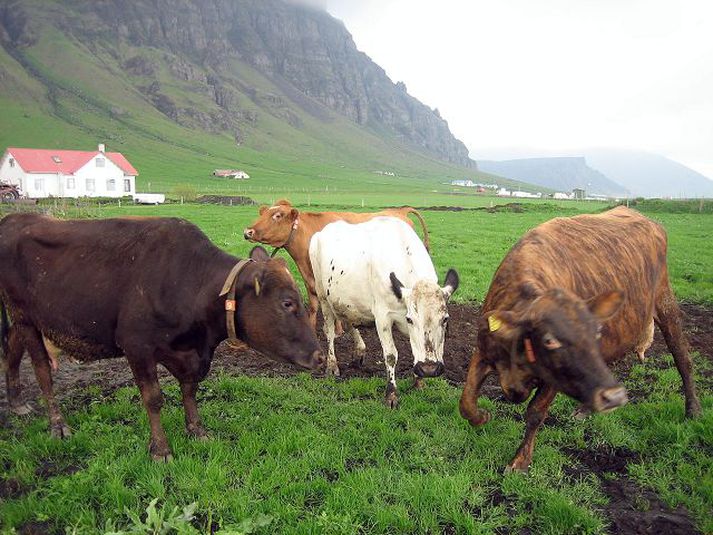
(66, 162)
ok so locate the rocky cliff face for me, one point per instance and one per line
(305, 51)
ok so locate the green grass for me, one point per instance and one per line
(473, 242)
(324, 456)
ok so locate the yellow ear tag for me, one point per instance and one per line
(494, 323)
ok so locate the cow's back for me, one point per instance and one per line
(589, 255)
(77, 279)
(349, 259)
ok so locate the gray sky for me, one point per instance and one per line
(522, 77)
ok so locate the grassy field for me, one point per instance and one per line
(305, 455)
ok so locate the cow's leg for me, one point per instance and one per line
(15, 352)
(146, 378)
(41, 363)
(359, 345)
(391, 358)
(194, 426)
(313, 304)
(535, 415)
(668, 319)
(329, 331)
(478, 371)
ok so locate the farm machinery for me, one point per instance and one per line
(8, 192)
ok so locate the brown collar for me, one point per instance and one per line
(230, 303)
(289, 238)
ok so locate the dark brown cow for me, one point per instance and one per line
(285, 226)
(562, 287)
(146, 288)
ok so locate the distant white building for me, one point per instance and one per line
(526, 195)
(466, 183)
(503, 192)
(558, 195)
(43, 173)
(231, 173)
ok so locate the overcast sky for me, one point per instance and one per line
(552, 76)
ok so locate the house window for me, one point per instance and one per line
(90, 184)
(127, 185)
(12, 162)
(111, 185)
(100, 162)
(39, 184)
(70, 182)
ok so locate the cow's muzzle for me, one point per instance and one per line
(428, 369)
(608, 399)
(249, 234)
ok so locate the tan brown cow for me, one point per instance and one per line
(284, 226)
(571, 296)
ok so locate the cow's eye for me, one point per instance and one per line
(288, 305)
(277, 216)
(444, 321)
(409, 320)
(550, 342)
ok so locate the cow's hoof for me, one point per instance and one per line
(391, 400)
(693, 410)
(481, 417)
(162, 457)
(161, 454)
(198, 432)
(332, 371)
(21, 410)
(60, 430)
(581, 412)
(516, 468)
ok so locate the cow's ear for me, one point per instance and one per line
(396, 285)
(294, 214)
(501, 324)
(606, 305)
(259, 254)
(262, 209)
(451, 284)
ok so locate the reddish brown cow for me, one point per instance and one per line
(562, 287)
(151, 289)
(285, 226)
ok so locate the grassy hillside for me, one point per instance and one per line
(59, 93)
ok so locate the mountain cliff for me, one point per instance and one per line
(240, 66)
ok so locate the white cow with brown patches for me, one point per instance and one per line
(379, 272)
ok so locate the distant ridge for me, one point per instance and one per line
(560, 174)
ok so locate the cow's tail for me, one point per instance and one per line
(426, 242)
(4, 332)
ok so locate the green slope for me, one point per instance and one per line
(59, 92)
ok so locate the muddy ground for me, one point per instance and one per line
(625, 495)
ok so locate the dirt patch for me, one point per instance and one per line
(511, 207)
(71, 380)
(632, 509)
(226, 200)
(38, 528)
(12, 488)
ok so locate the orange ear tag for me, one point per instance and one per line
(529, 353)
(230, 304)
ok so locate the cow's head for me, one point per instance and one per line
(426, 318)
(271, 316)
(274, 224)
(553, 338)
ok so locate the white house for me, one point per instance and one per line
(68, 173)
(231, 173)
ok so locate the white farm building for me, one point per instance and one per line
(68, 173)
